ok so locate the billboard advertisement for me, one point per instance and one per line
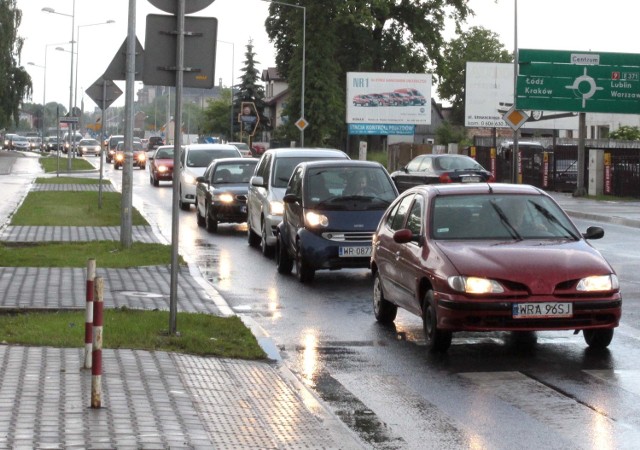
(489, 95)
(388, 98)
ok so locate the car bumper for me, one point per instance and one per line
(271, 223)
(496, 315)
(163, 176)
(321, 253)
(188, 193)
(229, 212)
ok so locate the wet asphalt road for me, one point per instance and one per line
(488, 391)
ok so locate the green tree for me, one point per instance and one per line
(352, 35)
(447, 133)
(215, 119)
(250, 89)
(478, 44)
(626, 133)
(15, 82)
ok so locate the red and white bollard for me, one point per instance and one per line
(88, 322)
(96, 369)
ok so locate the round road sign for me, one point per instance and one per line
(171, 6)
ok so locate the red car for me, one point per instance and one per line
(491, 257)
(161, 167)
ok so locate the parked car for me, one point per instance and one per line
(442, 168)
(51, 144)
(244, 148)
(161, 165)
(139, 156)
(194, 160)
(267, 187)
(331, 209)
(89, 147)
(20, 143)
(154, 142)
(491, 257)
(221, 193)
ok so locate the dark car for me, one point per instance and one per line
(443, 168)
(112, 143)
(331, 209)
(491, 257)
(51, 144)
(161, 165)
(154, 142)
(221, 192)
(139, 156)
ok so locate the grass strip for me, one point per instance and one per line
(70, 180)
(51, 164)
(108, 254)
(199, 334)
(64, 208)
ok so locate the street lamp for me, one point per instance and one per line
(44, 91)
(73, 22)
(75, 100)
(304, 49)
(233, 57)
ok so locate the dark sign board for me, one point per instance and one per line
(199, 51)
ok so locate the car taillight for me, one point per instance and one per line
(445, 178)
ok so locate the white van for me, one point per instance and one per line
(267, 187)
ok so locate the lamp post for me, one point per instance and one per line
(44, 93)
(73, 22)
(233, 57)
(75, 100)
(304, 49)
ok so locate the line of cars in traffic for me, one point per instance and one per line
(454, 248)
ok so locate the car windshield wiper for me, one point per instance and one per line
(551, 218)
(505, 221)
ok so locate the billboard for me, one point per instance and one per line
(388, 98)
(489, 95)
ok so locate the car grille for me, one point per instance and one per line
(348, 236)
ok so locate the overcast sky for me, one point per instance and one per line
(584, 25)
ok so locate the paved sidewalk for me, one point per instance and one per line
(150, 400)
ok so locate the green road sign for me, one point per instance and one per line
(554, 80)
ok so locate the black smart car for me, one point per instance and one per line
(331, 210)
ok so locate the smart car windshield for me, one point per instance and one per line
(348, 188)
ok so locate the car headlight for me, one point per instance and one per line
(162, 169)
(224, 198)
(313, 219)
(276, 207)
(475, 285)
(119, 157)
(142, 157)
(598, 283)
(189, 179)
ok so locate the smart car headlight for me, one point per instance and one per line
(475, 285)
(276, 207)
(313, 219)
(598, 283)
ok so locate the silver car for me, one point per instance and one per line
(267, 187)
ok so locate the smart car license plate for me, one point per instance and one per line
(354, 252)
(542, 310)
(470, 179)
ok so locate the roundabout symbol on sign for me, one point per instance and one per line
(592, 87)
